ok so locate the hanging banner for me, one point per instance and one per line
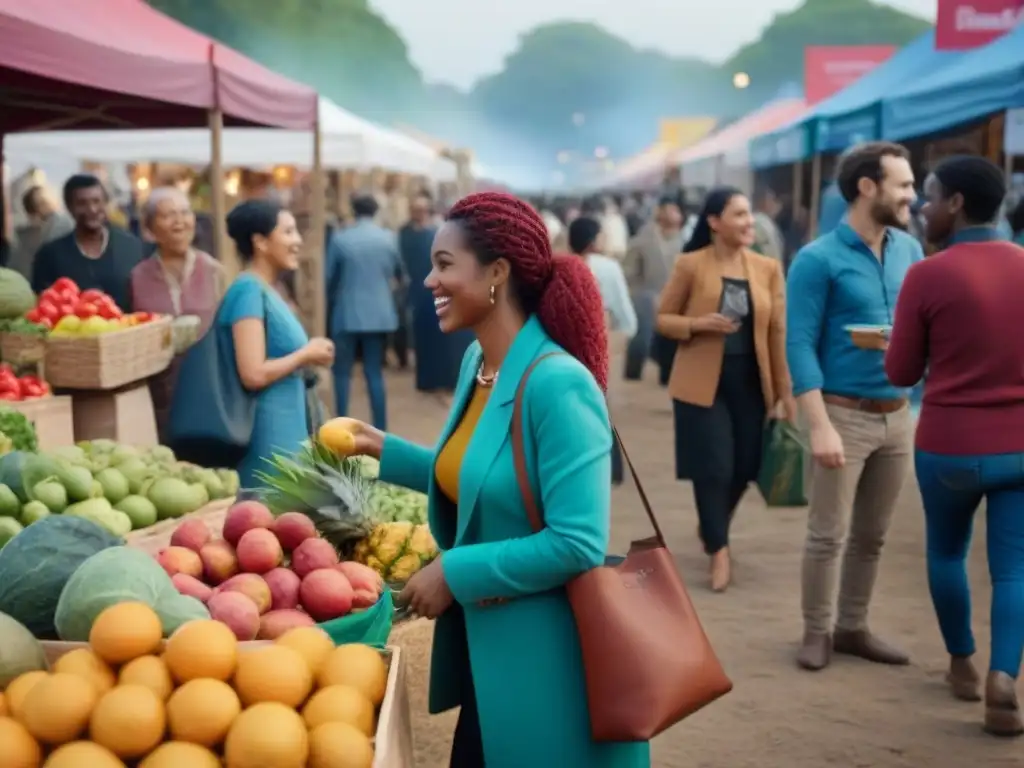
(964, 24)
(829, 69)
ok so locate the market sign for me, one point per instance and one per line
(829, 69)
(964, 24)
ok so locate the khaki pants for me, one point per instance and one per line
(854, 504)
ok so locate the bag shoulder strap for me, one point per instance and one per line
(533, 511)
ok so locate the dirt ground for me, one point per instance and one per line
(854, 714)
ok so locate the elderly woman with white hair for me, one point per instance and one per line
(176, 280)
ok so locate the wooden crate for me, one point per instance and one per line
(22, 348)
(109, 360)
(52, 418)
(393, 742)
(124, 415)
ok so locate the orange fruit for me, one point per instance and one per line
(19, 688)
(338, 435)
(17, 747)
(4, 712)
(339, 704)
(148, 671)
(267, 734)
(129, 720)
(126, 631)
(57, 709)
(202, 711)
(85, 663)
(311, 642)
(176, 754)
(339, 745)
(79, 754)
(273, 673)
(357, 665)
(201, 648)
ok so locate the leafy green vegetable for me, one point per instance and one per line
(16, 426)
(21, 325)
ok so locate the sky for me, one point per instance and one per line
(460, 41)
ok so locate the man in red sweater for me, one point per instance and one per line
(959, 316)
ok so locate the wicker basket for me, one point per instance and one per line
(109, 360)
(22, 348)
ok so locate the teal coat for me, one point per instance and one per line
(524, 653)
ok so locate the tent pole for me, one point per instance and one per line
(317, 233)
(218, 206)
(812, 225)
(798, 185)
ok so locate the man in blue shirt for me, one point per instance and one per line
(861, 428)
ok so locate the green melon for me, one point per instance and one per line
(19, 651)
(37, 563)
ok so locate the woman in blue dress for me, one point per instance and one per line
(271, 346)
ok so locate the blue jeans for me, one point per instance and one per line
(952, 487)
(373, 347)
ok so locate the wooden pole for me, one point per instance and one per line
(798, 185)
(317, 226)
(218, 206)
(812, 225)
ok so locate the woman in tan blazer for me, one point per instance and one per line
(725, 306)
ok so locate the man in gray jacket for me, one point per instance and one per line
(363, 268)
(648, 264)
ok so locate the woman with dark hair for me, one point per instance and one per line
(956, 316)
(498, 589)
(724, 306)
(271, 346)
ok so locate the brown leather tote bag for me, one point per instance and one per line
(647, 660)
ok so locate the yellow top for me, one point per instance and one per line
(449, 460)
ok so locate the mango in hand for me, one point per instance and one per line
(339, 435)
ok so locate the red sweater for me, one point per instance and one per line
(960, 316)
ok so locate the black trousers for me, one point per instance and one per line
(468, 744)
(719, 448)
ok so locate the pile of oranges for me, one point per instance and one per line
(201, 700)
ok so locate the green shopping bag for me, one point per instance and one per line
(781, 479)
(371, 627)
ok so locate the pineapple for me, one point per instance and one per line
(338, 496)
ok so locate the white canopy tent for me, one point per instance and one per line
(347, 141)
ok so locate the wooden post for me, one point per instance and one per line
(798, 185)
(315, 244)
(218, 207)
(812, 225)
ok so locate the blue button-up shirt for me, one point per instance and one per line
(834, 282)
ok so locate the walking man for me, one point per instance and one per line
(861, 427)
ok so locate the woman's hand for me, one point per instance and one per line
(427, 593)
(714, 323)
(786, 410)
(318, 351)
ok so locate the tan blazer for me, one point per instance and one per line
(695, 289)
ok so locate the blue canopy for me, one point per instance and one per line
(980, 82)
(854, 113)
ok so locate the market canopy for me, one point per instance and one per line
(732, 141)
(120, 63)
(979, 83)
(347, 141)
(853, 114)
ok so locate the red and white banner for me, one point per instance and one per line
(964, 24)
(830, 68)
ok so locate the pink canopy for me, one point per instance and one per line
(111, 63)
(736, 135)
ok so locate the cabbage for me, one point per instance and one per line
(116, 575)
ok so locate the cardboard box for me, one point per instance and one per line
(52, 418)
(125, 415)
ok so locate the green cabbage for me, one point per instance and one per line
(118, 575)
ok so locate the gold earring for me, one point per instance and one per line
(492, 294)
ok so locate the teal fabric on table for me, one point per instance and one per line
(524, 651)
(280, 423)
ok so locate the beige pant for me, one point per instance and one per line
(853, 503)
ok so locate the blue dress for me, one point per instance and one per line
(280, 425)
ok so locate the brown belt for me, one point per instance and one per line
(868, 405)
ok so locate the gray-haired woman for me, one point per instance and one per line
(176, 280)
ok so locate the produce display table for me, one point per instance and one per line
(156, 537)
(52, 419)
(393, 741)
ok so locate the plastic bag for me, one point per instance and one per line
(371, 627)
(781, 479)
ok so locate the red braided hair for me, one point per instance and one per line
(560, 289)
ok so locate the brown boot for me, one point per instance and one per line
(721, 570)
(1002, 714)
(864, 645)
(815, 652)
(964, 680)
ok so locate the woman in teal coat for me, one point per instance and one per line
(506, 648)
